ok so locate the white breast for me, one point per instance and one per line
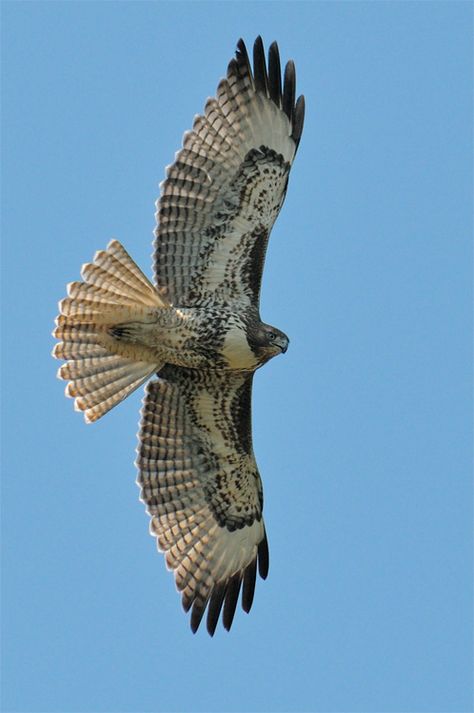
(237, 351)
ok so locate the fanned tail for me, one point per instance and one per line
(101, 370)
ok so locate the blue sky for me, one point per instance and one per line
(362, 430)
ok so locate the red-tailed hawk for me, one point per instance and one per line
(199, 330)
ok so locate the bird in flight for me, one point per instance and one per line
(195, 334)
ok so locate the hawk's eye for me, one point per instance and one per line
(271, 336)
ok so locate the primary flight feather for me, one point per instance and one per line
(198, 329)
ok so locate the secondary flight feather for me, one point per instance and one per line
(195, 335)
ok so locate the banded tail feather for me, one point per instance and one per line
(101, 369)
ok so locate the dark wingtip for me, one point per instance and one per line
(196, 614)
(215, 606)
(298, 120)
(186, 602)
(231, 597)
(263, 557)
(260, 67)
(289, 89)
(225, 595)
(274, 74)
(270, 83)
(248, 588)
(243, 57)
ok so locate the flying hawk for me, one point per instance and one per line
(198, 329)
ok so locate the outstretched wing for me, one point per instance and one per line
(201, 486)
(225, 189)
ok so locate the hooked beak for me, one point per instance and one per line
(284, 345)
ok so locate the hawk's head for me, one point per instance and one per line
(267, 341)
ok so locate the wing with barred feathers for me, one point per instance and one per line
(201, 486)
(225, 189)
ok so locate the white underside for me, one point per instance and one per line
(237, 351)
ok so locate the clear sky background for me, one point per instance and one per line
(362, 430)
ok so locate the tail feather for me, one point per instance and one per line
(115, 270)
(77, 352)
(89, 366)
(84, 291)
(76, 332)
(127, 269)
(95, 395)
(100, 370)
(81, 312)
(73, 306)
(96, 275)
(100, 409)
(98, 386)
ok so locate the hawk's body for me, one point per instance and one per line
(210, 337)
(200, 331)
